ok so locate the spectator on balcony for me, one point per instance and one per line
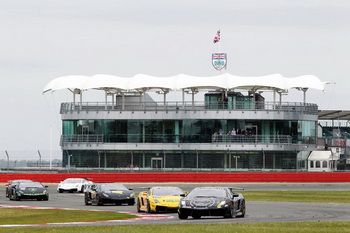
(215, 137)
(221, 135)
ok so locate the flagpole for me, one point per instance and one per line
(220, 47)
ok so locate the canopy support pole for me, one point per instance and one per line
(183, 98)
(123, 101)
(106, 99)
(81, 99)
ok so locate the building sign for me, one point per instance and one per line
(219, 60)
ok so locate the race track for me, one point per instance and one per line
(256, 211)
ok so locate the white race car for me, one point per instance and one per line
(73, 184)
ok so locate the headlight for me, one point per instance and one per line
(45, 191)
(183, 202)
(222, 203)
(156, 201)
(132, 195)
(105, 195)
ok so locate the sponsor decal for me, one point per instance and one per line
(118, 192)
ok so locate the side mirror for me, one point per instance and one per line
(182, 195)
(46, 186)
(130, 188)
(235, 195)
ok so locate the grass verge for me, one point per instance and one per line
(298, 196)
(308, 227)
(38, 216)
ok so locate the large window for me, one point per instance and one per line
(188, 131)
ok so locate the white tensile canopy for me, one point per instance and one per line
(183, 81)
(142, 83)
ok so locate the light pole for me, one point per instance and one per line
(69, 162)
(8, 161)
(236, 157)
(39, 159)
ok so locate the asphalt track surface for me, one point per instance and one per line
(256, 211)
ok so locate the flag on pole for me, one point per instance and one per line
(217, 37)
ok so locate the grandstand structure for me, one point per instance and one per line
(189, 123)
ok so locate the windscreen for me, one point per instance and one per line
(167, 192)
(208, 193)
(31, 185)
(110, 187)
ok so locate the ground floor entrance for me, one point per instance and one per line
(186, 160)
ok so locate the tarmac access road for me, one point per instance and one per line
(256, 211)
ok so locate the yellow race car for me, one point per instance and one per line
(160, 199)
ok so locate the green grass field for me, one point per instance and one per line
(26, 216)
(37, 216)
(298, 196)
(308, 227)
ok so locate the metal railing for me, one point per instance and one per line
(306, 108)
(254, 139)
(137, 138)
(81, 138)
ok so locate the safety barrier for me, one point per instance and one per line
(185, 177)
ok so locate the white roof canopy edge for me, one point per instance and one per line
(183, 81)
(142, 83)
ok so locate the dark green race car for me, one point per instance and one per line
(33, 190)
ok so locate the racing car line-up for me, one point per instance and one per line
(201, 201)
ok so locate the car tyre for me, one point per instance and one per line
(242, 210)
(196, 216)
(182, 216)
(98, 200)
(148, 207)
(60, 191)
(17, 198)
(138, 205)
(230, 214)
(86, 199)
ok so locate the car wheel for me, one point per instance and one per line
(182, 216)
(87, 201)
(242, 210)
(196, 216)
(230, 214)
(82, 189)
(17, 198)
(60, 191)
(98, 200)
(70, 191)
(132, 202)
(138, 205)
(148, 207)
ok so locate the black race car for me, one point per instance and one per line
(100, 194)
(32, 190)
(11, 182)
(212, 201)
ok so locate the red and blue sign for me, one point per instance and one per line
(219, 60)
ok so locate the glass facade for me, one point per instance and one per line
(174, 160)
(188, 130)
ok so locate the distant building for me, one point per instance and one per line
(133, 128)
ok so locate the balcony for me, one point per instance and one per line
(136, 138)
(297, 107)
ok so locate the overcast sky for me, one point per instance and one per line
(45, 39)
